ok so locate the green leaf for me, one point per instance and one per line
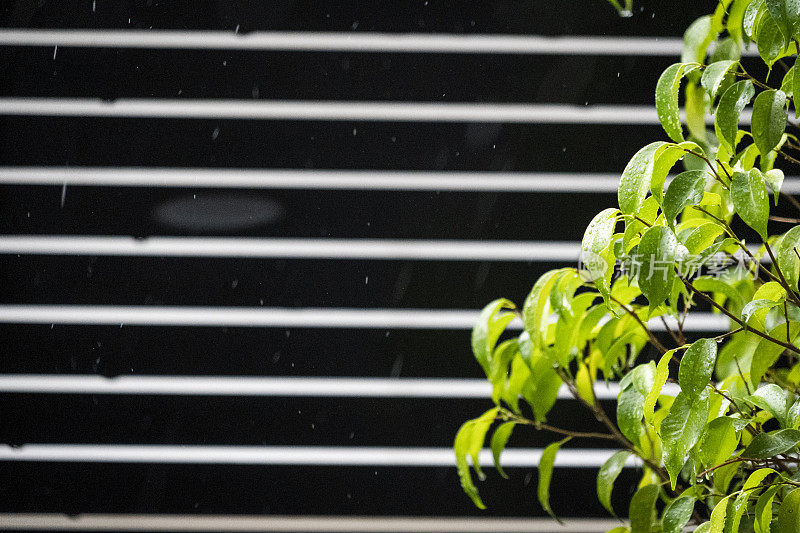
(718, 442)
(750, 199)
(667, 106)
(686, 189)
(666, 157)
(705, 527)
(715, 74)
(696, 40)
(630, 410)
(662, 373)
(786, 14)
(490, 325)
(499, 441)
(642, 510)
(769, 39)
(718, 286)
(735, 19)
(697, 365)
(796, 90)
(766, 445)
(533, 310)
(763, 510)
(789, 514)
(677, 514)
(775, 400)
(657, 271)
(545, 475)
(769, 120)
(755, 305)
(636, 179)
(718, 515)
(598, 234)
(541, 388)
(702, 237)
(774, 179)
(786, 256)
(697, 102)
(469, 440)
(680, 430)
(730, 107)
(608, 475)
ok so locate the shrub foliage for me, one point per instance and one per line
(713, 423)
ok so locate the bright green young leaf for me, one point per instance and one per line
(696, 40)
(540, 390)
(718, 515)
(662, 373)
(789, 514)
(681, 428)
(666, 157)
(677, 514)
(766, 445)
(786, 254)
(755, 9)
(750, 199)
(697, 365)
(533, 311)
(695, 106)
(769, 120)
(667, 106)
(598, 233)
(763, 509)
(714, 74)
(490, 325)
(705, 527)
(546, 473)
(774, 179)
(730, 107)
(499, 441)
(608, 475)
(686, 189)
(702, 237)
(787, 85)
(636, 179)
(735, 18)
(657, 259)
(642, 510)
(469, 440)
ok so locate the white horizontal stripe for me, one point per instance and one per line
(281, 317)
(346, 42)
(380, 180)
(387, 249)
(270, 386)
(289, 455)
(326, 110)
(305, 524)
(312, 179)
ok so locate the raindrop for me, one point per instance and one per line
(528, 478)
(55, 51)
(352, 434)
(626, 13)
(394, 139)
(224, 63)
(254, 92)
(29, 214)
(94, 6)
(288, 333)
(354, 132)
(276, 357)
(355, 25)
(63, 194)
(261, 301)
(366, 280)
(313, 426)
(234, 283)
(387, 333)
(237, 29)
(349, 496)
(215, 133)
